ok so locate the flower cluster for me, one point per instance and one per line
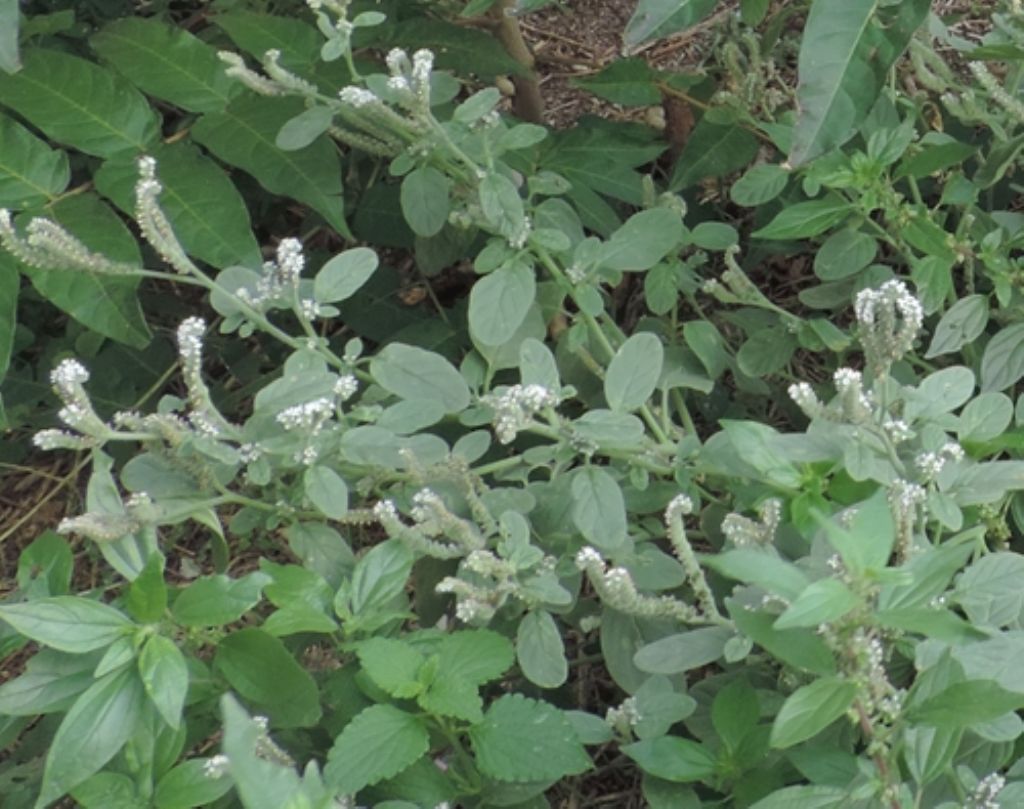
(515, 406)
(890, 319)
(153, 222)
(616, 588)
(48, 246)
(744, 532)
(68, 380)
(431, 519)
(203, 415)
(931, 464)
(410, 80)
(986, 793)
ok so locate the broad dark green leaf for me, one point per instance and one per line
(628, 82)
(31, 173)
(759, 184)
(499, 303)
(167, 62)
(801, 648)
(102, 719)
(378, 743)
(261, 670)
(218, 600)
(844, 253)
(598, 509)
(245, 135)
(806, 219)
(653, 19)
(81, 104)
(50, 683)
(810, 709)
(674, 759)
(847, 49)
(415, 374)
(424, 199)
(164, 675)
(207, 213)
(380, 576)
(685, 651)
(634, 371)
(522, 740)
(9, 60)
(986, 698)
(456, 47)
(713, 150)
(735, 712)
(822, 602)
(67, 623)
(540, 651)
(106, 304)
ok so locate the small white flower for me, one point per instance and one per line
(346, 387)
(217, 766)
(357, 96)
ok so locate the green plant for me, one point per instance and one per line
(793, 612)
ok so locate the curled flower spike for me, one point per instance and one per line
(890, 319)
(68, 380)
(237, 69)
(515, 406)
(153, 223)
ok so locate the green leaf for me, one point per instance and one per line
(9, 60)
(31, 173)
(67, 623)
(645, 239)
(300, 131)
(627, 82)
(261, 669)
(735, 712)
(207, 213)
(378, 743)
(986, 417)
(634, 371)
(714, 236)
(106, 790)
(599, 510)
(80, 104)
(379, 576)
(106, 304)
(713, 150)
(500, 301)
(218, 600)
(164, 675)
(474, 656)
(822, 602)
(501, 204)
(10, 286)
(989, 590)
(806, 219)
(653, 19)
(868, 541)
(245, 135)
(392, 664)
(187, 785)
(684, 651)
(456, 47)
(326, 490)
(424, 199)
(762, 568)
(986, 698)
(678, 760)
(146, 599)
(1000, 158)
(759, 184)
(753, 12)
(847, 49)
(523, 740)
(961, 324)
(50, 683)
(844, 253)
(1002, 364)
(343, 275)
(810, 709)
(418, 375)
(805, 797)
(167, 62)
(540, 651)
(801, 648)
(102, 719)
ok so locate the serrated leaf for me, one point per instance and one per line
(167, 62)
(78, 103)
(245, 135)
(415, 374)
(847, 49)
(474, 656)
(206, 210)
(810, 709)
(499, 303)
(653, 19)
(392, 664)
(450, 696)
(633, 372)
(164, 675)
(261, 669)
(67, 623)
(106, 304)
(31, 173)
(523, 740)
(540, 651)
(102, 719)
(378, 743)
(599, 509)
